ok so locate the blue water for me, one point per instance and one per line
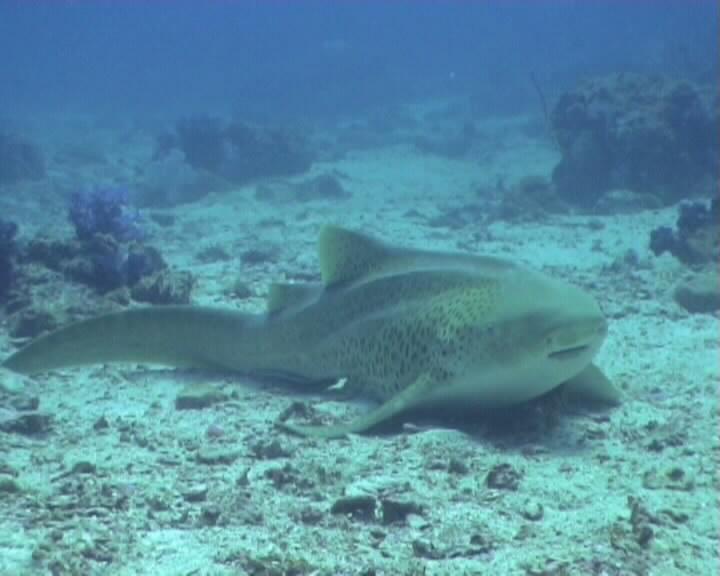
(283, 59)
(178, 152)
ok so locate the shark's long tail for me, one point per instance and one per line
(186, 336)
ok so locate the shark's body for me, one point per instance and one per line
(410, 328)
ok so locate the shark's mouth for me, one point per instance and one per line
(567, 353)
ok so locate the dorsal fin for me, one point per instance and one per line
(346, 255)
(283, 296)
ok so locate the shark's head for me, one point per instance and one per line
(537, 334)
(485, 329)
(561, 332)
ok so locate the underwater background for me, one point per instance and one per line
(163, 153)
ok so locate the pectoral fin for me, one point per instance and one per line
(591, 385)
(402, 401)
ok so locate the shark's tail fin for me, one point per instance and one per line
(171, 335)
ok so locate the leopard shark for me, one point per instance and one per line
(406, 327)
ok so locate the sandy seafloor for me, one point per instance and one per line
(124, 483)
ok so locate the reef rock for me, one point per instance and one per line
(8, 231)
(701, 294)
(696, 239)
(235, 151)
(644, 133)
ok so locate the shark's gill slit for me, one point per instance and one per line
(566, 352)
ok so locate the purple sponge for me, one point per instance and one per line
(104, 211)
